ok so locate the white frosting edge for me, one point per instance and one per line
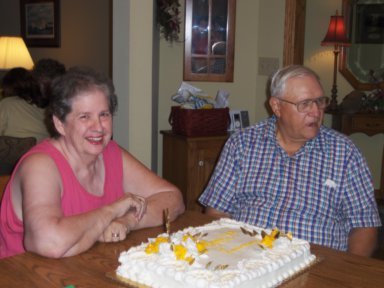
(137, 266)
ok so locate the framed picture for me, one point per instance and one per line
(40, 22)
(370, 23)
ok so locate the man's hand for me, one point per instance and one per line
(362, 241)
(216, 213)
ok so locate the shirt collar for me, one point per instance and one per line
(317, 143)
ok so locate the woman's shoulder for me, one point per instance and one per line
(44, 156)
(42, 152)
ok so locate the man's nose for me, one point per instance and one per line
(315, 108)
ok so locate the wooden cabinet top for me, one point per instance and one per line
(200, 138)
(368, 123)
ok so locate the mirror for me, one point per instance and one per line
(209, 40)
(362, 64)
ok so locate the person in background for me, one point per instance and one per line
(293, 173)
(79, 186)
(22, 108)
(45, 70)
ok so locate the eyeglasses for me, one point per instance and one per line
(306, 105)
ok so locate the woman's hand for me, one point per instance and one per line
(141, 208)
(115, 232)
(129, 203)
(121, 226)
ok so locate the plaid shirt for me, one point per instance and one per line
(319, 194)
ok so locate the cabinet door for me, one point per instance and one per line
(209, 40)
(175, 155)
(204, 156)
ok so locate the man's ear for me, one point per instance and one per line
(58, 125)
(274, 103)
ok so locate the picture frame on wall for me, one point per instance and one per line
(40, 22)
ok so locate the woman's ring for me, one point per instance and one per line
(115, 235)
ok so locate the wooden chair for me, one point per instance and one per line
(3, 182)
(11, 149)
(380, 203)
(381, 196)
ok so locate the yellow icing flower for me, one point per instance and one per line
(187, 236)
(153, 247)
(180, 252)
(161, 239)
(268, 239)
(190, 260)
(201, 247)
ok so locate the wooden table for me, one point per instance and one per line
(336, 269)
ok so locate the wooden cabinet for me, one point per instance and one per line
(368, 123)
(188, 163)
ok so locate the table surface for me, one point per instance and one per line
(89, 269)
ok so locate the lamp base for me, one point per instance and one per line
(333, 104)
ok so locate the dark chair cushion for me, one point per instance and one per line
(11, 149)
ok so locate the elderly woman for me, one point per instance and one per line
(80, 187)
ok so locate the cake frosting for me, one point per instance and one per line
(223, 253)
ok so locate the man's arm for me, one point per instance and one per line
(362, 241)
(216, 213)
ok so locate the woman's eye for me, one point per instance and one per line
(106, 114)
(84, 117)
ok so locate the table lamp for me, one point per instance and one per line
(335, 36)
(14, 53)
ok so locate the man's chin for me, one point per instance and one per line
(311, 132)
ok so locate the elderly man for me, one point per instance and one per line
(291, 172)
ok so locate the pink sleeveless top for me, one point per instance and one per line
(75, 199)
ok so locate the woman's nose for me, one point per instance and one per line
(97, 123)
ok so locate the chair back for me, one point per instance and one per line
(3, 182)
(11, 149)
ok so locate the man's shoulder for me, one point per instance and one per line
(331, 139)
(253, 133)
(330, 135)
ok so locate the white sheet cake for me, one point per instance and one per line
(224, 253)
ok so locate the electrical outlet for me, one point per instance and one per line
(268, 65)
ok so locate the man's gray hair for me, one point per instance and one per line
(280, 78)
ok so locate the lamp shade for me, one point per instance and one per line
(14, 53)
(336, 34)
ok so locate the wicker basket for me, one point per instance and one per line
(199, 122)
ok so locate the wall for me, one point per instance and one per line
(84, 32)
(132, 75)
